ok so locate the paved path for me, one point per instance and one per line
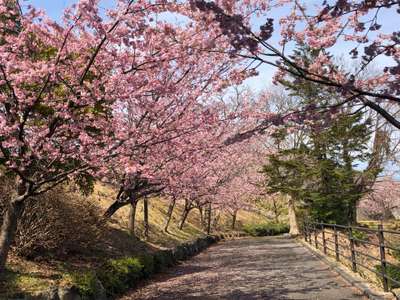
(254, 268)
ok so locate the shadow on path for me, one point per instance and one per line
(253, 268)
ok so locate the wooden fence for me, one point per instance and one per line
(326, 238)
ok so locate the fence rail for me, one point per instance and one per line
(316, 235)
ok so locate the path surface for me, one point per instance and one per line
(254, 268)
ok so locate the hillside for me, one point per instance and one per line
(72, 253)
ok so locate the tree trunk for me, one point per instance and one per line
(183, 219)
(169, 215)
(216, 221)
(202, 223)
(353, 213)
(209, 219)
(293, 223)
(276, 211)
(132, 217)
(146, 217)
(8, 230)
(234, 220)
(113, 208)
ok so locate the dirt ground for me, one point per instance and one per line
(251, 268)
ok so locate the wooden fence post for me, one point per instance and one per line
(383, 258)
(305, 231)
(336, 243)
(323, 238)
(353, 253)
(315, 236)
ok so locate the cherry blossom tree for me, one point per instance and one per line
(55, 105)
(64, 87)
(239, 194)
(382, 200)
(355, 25)
(176, 160)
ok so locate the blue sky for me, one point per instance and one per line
(53, 8)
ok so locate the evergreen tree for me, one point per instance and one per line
(321, 172)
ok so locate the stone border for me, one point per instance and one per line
(352, 278)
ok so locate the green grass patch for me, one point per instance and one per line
(266, 229)
(14, 283)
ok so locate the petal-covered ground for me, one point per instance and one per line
(253, 268)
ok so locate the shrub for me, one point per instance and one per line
(266, 229)
(180, 252)
(359, 235)
(202, 244)
(86, 284)
(147, 261)
(117, 275)
(189, 249)
(392, 272)
(163, 259)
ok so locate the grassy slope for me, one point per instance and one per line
(36, 275)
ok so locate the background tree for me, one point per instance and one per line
(382, 201)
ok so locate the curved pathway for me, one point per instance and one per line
(251, 268)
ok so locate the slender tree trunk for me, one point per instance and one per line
(183, 219)
(185, 213)
(146, 217)
(293, 223)
(169, 215)
(201, 217)
(234, 220)
(132, 217)
(216, 221)
(276, 211)
(9, 229)
(209, 219)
